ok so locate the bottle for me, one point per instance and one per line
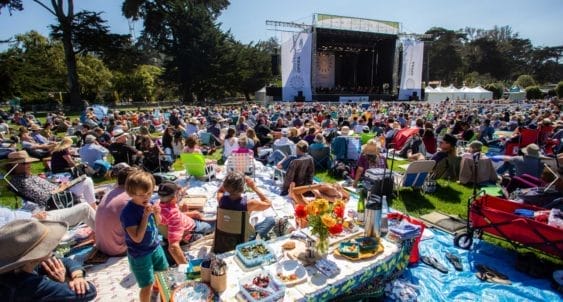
(384, 211)
(362, 204)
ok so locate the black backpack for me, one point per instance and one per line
(339, 170)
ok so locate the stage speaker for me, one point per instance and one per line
(275, 64)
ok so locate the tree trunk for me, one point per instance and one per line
(72, 73)
(247, 96)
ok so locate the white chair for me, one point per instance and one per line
(241, 162)
(415, 175)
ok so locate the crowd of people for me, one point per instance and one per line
(126, 220)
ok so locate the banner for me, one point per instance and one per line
(411, 71)
(296, 66)
(325, 70)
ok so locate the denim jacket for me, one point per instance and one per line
(37, 286)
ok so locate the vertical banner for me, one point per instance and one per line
(296, 66)
(411, 71)
(325, 70)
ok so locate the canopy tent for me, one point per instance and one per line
(464, 93)
(516, 93)
(260, 95)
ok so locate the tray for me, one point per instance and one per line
(362, 255)
(288, 267)
(192, 292)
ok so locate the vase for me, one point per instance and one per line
(322, 245)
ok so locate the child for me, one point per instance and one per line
(139, 218)
(183, 225)
(230, 197)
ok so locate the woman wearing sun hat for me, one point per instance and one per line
(370, 157)
(28, 272)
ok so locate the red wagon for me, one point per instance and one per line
(495, 216)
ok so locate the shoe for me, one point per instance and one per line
(455, 261)
(431, 261)
(485, 273)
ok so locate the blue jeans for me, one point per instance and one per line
(264, 227)
(203, 227)
(506, 167)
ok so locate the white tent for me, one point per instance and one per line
(260, 95)
(464, 93)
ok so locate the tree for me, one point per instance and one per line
(82, 29)
(533, 93)
(95, 77)
(525, 80)
(444, 54)
(193, 45)
(559, 89)
(33, 66)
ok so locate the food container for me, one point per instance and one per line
(254, 253)
(350, 249)
(262, 286)
(366, 244)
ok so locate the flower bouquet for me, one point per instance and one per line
(324, 218)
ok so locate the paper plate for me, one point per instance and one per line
(286, 268)
(192, 292)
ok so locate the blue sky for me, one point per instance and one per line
(539, 20)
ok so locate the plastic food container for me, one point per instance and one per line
(366, 244)
(254, 253)
(255, 288)
(350, 249)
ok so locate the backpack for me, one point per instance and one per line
(339, 170)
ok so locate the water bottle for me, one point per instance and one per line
(384, 211)
(362, 204)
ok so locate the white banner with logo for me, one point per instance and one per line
(411, 75)
(296, 66)
(325, 70)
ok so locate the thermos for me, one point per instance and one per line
(372, 227)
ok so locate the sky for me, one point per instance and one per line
(539, 20)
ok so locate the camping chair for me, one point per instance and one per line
(232, 228)
(286, 149)
(415, 175)
(195, 166)
(205, 138)
(322, 159)
(241, 162)
(525, 137)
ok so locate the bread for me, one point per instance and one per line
(288, 245)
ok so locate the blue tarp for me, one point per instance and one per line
(464, 286)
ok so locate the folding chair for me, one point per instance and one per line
(232, 228)
(241, 162)
(286, 149)
(195, 166)
(322, 159)
(415, 175)
(205, 138)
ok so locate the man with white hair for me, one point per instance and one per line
(121, 151)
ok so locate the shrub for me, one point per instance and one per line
(525, 80)
(559, 89)
(496, 88)
(533, 93)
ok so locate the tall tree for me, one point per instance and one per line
(444, 54)
(78, 32)
(186, 33)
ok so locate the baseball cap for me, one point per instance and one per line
(167, 188)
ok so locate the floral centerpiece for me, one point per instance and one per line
(324, 218)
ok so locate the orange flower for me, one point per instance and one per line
(328, 220)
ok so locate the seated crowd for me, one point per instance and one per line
(289, 138)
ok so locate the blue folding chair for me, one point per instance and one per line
(415, 175)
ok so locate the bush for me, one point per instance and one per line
(525, 81)
(533, 93)
(559, 89)
(496, 88)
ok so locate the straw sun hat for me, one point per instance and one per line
(28, 240)
(20, 157)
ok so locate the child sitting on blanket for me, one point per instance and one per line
(183, 225)
(139, 218)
